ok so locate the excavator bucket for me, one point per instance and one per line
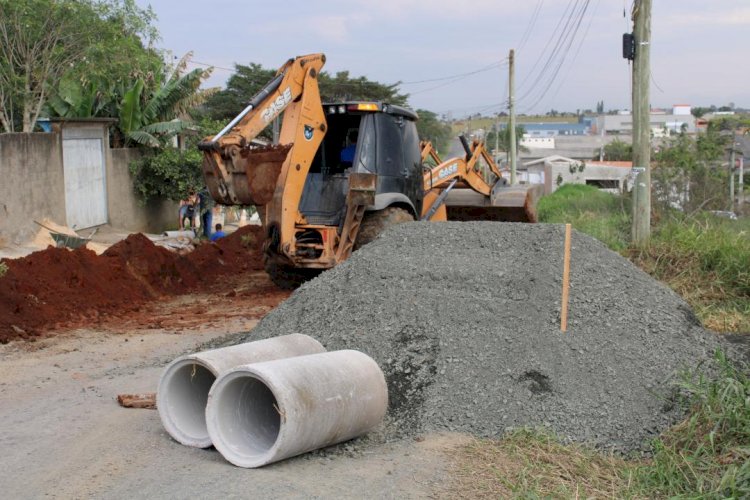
(251, 176)
(515, 203)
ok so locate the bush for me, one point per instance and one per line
(167, 174)
(3, 269)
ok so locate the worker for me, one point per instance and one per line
(206, 206)
(218, 233)
(347, 154)
(187, 210)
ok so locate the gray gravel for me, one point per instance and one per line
(464, 320)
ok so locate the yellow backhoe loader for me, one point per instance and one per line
(343, 172)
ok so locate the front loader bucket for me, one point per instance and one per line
(507, 203)
(250, 177)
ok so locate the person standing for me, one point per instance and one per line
(206, 207)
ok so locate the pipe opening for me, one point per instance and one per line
(247, 416)
(187, 396)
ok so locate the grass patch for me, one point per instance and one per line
(591, 211)
(534, 464)
(706, 261)
(707, 455)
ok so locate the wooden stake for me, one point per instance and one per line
(566, 281)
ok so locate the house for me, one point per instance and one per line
(554, 171)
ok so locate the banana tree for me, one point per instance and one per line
(151, 118)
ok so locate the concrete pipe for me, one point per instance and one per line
(262, 413)
(183, 388)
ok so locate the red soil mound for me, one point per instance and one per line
(58, 286)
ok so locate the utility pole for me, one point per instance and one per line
(512, 122)
(641, 231)
(497, 137)
(732, 160)
(741, 193)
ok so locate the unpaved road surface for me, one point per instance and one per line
(64, 436)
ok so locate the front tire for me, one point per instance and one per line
(378, 221)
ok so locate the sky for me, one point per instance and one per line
(461, 47)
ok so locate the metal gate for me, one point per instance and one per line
(85, 182)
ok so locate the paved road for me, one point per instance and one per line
(64, 436)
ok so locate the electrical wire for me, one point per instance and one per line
(530, 26)
(561, 51)
(553, 59)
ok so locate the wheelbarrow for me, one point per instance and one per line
(63, 240)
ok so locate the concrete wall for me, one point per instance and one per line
(31, 184)
(126, 210)
(32, 187)
(549, 172)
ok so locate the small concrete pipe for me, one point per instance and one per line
(265, 412)
(183, 388)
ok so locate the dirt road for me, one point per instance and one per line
(64, 436)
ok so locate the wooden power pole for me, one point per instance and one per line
(641, 122)
(512, 121)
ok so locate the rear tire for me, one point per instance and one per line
(376, 222)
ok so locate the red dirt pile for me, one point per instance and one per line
(57, 286)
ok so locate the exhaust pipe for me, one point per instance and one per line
(184, 386)
(265, 412)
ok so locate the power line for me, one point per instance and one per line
(556, 50)
(460, 75)
(578, 50)
(530, 26)
(546, 45)
(454, 80)
(562, 49)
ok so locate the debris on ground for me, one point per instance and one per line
(57, 286)
(145, 401)
(464, 319)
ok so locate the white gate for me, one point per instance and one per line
(85, 182)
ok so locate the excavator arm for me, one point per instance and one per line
(236, 172)
(473, 184)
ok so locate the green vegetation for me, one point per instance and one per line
(3, 269)
(249, 79)
(169, 173)
(591, 211)
(707, 455)
(73, 53)
(705, 260)
(616, 150)
(433, 130)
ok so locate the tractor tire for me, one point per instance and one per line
(288, 278)
(376, 222)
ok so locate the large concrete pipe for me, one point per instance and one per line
(183, 388)
(265, 412)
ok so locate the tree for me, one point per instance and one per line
(686, 173)
(39, 41)
(249, 79)
(150, 118)
(616, 150)
(433, 130)
(70, 55)
(169, 173)
(504, 139)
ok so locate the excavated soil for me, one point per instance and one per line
(57, 287)
(464, 320)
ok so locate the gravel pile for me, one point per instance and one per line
(464, 320)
